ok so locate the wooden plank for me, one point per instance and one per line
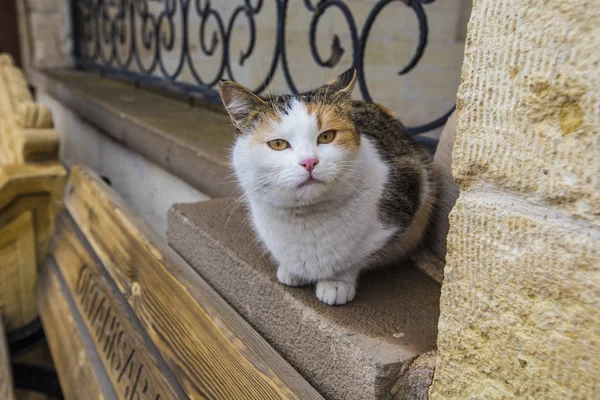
(41, 181)
(133, 364)
(18, 271)
(213, 352)
(7, 389)
(29, 198)
(78, 366)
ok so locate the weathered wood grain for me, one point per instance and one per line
(21, 183)
(78, 367)
(7, 391)
(18, 271)
(212, 351)
(134, 366)
(29, 198)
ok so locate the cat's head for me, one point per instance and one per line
(294, 150)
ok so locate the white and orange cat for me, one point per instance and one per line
(334, 185)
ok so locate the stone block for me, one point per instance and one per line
(364, 350)
(520, 305)
(44, 27)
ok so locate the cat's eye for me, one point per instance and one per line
(326, 137)
(278, 144)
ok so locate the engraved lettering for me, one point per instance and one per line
(115, 325)
(102, 327)
(138, 390)
(111, 337)
(117, 354)
(83, 280)
(98, 318)
(92, 296)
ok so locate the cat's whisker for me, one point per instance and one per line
(238, 202)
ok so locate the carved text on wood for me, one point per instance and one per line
(114, 344)
(132, 362)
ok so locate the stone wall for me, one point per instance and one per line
(45, 33)
(520, 305)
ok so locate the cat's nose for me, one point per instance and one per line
(309, 163)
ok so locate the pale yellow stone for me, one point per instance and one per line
(520, 306)
(520, 303)
(529, 117)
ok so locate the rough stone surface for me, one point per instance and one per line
(529, 104)
(358, 351)
(520, 304)
(415, 378)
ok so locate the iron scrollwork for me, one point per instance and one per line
(112, 35)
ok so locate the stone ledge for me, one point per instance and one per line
(190, 142)
(358, 351)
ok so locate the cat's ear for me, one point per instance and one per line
(238, 101)
(344, 83)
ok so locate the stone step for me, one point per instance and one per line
(364, 350)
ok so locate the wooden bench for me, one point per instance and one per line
(31, 189)
(126, 317)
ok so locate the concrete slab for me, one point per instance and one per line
(363, 350)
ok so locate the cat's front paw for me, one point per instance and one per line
(289, 279)
(335, 292)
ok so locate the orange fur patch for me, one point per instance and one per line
(262, 129)
(330, 119)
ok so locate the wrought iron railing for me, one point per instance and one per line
(131, 37)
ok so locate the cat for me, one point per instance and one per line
(334, 185)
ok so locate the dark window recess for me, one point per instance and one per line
(9, 32)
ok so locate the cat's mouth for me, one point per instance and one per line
(311, 180)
